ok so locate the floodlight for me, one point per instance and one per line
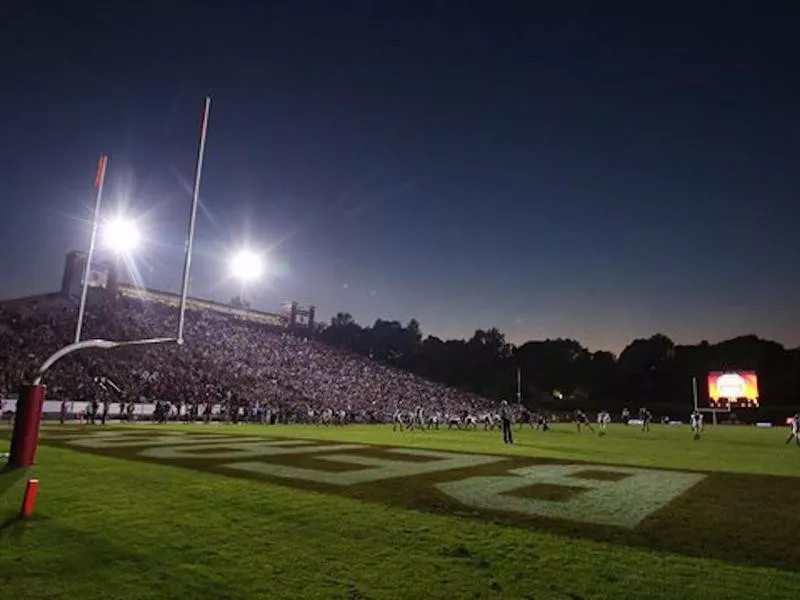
(121, 235)
(246, 265)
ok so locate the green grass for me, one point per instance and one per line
(724, 449)
(109, 527)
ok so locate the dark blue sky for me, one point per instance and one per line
(585, 169)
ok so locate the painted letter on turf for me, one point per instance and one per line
(623, 503)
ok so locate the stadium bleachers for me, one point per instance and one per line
(229, 358)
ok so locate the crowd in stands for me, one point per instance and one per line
(238, 367)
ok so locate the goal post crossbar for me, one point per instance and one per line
(102, 344)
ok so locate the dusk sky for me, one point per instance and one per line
(595, 170)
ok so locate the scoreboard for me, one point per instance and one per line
(733, 389)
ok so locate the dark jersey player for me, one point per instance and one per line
(646, 417)
(525, 417)
(542, 424)
(64, 411)
(582, 419)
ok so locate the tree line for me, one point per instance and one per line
(561, 373)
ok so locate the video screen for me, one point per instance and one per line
(733, 388)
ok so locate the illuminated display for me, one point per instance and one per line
(736, 388)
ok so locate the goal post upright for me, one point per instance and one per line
(99, 181)
(187, 261)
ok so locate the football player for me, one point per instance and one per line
(397, 420)
(646, 416)
(603, 419)
(582, 419)
(696, 419)
(795, 425)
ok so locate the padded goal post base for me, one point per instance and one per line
(26, 426)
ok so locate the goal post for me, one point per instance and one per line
(721, 405)
(30, 403)
(714, 412)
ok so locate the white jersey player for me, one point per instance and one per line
(603, 419)
(696, 419)
(419, 418)
(795, 425)
(416, 419)
(488, 421)
(397, 420)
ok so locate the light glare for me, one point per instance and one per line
(121, 235)
(246, 265)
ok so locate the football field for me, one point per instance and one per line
(357, 512)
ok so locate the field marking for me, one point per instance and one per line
(234, 449)
(623, 503)
(380, 468)
(105, 440)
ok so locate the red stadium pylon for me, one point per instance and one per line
(29, 500)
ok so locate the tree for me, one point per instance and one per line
(549, 365)
(643, 355)
(649, 370)
(414, 330)
(386, 340)
(491, 343)
(343, 332)
(602, 376)
(342, 320)
(645, 365)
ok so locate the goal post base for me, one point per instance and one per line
(26, 426)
